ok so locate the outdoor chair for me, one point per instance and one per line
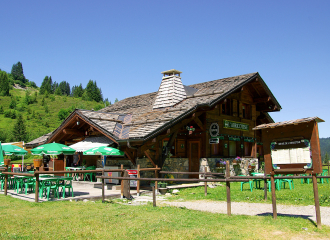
(67, 174)
(51, 186)
(277, 184)
(29, 184)
(324, 173)
(304, 180)
(250, 182)
(66, 184)
(289, 181)
(90, 175)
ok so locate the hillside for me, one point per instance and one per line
(40, 112)
(325, 146)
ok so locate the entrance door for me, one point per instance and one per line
(194, 156)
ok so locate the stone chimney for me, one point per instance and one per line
(171, 90)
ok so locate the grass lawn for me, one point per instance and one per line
(302, 194)
(81, 220)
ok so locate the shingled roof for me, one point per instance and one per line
(146, 122)
(134, 118)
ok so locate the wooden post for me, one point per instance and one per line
(266, 188)
(205, 183)
(156, 182)
(153, 196)
(272, 181)
(36, 196)
(317, 202)
(328, 167)
(103, 186)
(6, 181)
(138, 181)
(122, 182)
(228, 188)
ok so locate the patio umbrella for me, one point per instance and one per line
(14, 150)
(53, 149)
(1, 156)
(104, 151)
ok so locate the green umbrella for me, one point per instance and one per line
(14, 150)
(53, 149)
(104, 151)
(1, 155)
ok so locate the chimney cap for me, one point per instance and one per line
(173, 71)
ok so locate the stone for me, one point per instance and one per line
(175, 191)
(85, 200)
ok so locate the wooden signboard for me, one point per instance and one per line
(292, 147)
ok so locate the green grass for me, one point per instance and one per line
(302, 194)
(79, 220)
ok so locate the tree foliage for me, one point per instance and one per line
(17, 72)
(47, 85)
(77, 91)
(92, 92)
(19, 132)
(4, 84)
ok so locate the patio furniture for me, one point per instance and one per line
(304, 180)
(324, 173)
(257, 181)
(250, 182)
(289, 181)
(66, 184)
(30, 183)
(90, 175)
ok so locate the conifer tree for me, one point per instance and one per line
(19, 132)
(4, 84)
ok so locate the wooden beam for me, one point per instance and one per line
(199, 123)
(150, 158)
(73, 132)
(263, 99)
(130, 157)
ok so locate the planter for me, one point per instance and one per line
(37, 162)
(162, 191)
(6, 162)
(162, 185)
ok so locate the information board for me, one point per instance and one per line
(291, 152)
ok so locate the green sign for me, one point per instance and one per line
(235, 125)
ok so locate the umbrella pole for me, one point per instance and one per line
(22, 162)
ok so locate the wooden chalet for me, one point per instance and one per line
(180, 128)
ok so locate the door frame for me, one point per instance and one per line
(189, 153)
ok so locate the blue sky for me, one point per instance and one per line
(124, 45)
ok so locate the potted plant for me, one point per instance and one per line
(6, 161)
(37, 161)
(162, 187)
(237, 160)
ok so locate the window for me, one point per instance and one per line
(247, 148)
(232, 148)
(227, 107)
(246, 111)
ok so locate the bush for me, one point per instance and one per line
(62, 114)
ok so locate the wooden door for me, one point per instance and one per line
(194, 156)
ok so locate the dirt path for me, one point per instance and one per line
(256, 209)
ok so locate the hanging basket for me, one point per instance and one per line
(6, 161)
(37, 162)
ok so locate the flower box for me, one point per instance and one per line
(6, 162)
(37, 162)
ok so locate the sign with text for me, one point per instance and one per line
(214, 141)
(214, 129)
(235, 125)
(291, 152)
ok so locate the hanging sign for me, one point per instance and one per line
(213, 140)
(235, 125)
(214, 129)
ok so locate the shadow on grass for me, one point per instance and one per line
(290, 216)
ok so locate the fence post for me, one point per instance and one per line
(138, 181)
(122, 182)
(6, 181)
(154, 196)
(36, 196)
(265, 187)
(317, 202)
(228, 188)
(103, 185)
(205, 183)
(272, 181)
(156, 182)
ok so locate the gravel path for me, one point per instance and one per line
(253, 209)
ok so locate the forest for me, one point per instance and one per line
(28, 111)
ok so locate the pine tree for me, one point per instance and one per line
(17, 72)
(47, 85)
(4, 84)
(19, 131)
(326, 158)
